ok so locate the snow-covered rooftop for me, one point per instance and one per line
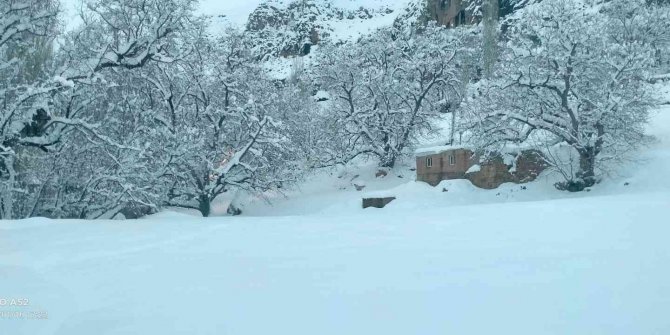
(438, 149)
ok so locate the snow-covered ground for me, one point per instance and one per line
(427, 264)
(596, 266)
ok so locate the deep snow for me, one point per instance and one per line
(578, 266)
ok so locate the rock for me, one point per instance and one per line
(377, 202)
(234, 211)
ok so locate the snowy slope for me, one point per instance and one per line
(237, 12)
(347, 30)
(226, 12)
(591, 266)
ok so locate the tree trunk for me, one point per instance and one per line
(204, 205)
(587, 163)
(388, 161)
(586, 176)
(388, 158)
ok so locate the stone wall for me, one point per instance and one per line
(377, 202)
(492, 173)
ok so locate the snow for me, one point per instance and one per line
(69, 13)
(236, 12)
(227, 12)
(662, 92)
(322, 96)
(598, 268)
(63, 81)
(438, 149)
(473, 169)
(349, 30)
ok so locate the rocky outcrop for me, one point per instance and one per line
(267, 16)
(523, 168)
(452, 13)
(278, 28)
(377, 202)
(449, 13)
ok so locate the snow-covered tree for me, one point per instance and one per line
(646, 23)
(216, 124)
(26, 27)
(388, 90)
(66, 110)
(566, 77)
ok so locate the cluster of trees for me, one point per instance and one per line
(570, 81)
(141, 107)
(138, 108)
(565, 78)
(389, 89)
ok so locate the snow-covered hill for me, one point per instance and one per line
(579, 266)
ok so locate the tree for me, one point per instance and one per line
(59, 112)
(388, 89)
(218, 124)
(566, 78)
(642, 23)
(24, 88)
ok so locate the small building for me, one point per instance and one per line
(434, 165)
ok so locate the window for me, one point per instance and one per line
(429, 162)
(452, 160)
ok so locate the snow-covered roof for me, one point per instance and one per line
(438, 149)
